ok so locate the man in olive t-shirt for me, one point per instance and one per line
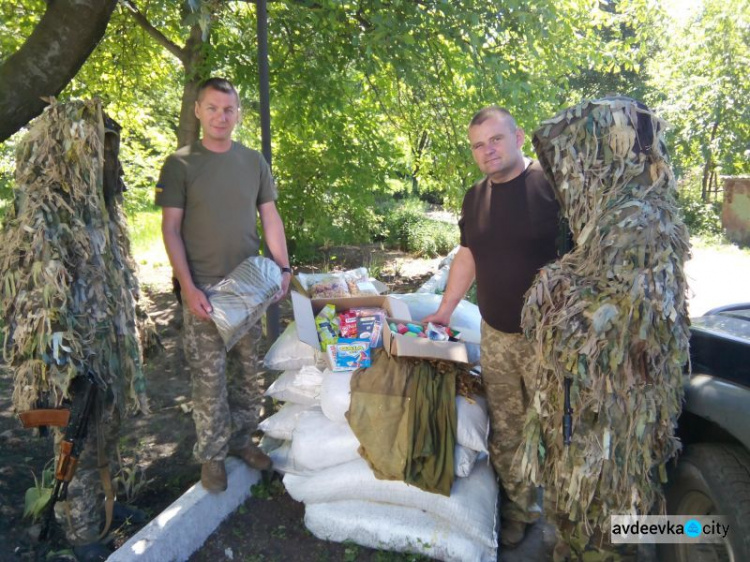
(211, 193)
(509, 229)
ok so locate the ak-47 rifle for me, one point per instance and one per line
(567, 414)
(72, 443)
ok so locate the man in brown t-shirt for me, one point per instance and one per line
(211, 193)
(509, 228)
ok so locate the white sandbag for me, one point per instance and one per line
(319, 443)
(473, 423)
(448, 260)
(471, 507)
(301, 386)
(281, 425)
(289, 353)
(394, 528)
(463, 461)
(282, 459)
(436, 283)
(336, 395)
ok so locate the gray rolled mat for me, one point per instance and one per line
(241, 298)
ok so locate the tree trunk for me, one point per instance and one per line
(708, 167)
(189, 128)
(51, 56)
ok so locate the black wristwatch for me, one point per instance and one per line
(286, 270)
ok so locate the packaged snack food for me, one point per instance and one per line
(329, 287)
(371, 329)
(437, 332)
(358, 282)
(327, 328)
(349, 354)
(348, 324)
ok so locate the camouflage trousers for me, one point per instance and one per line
(81, 516)
(508, 370)
(227, 387)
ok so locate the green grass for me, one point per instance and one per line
(718, 243)
(145, 231)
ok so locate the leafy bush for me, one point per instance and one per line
(701, 217)
(409, 230)
(7, 170)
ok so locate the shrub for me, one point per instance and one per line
(701, 217)
(409, 230)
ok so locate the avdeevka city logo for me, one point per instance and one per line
(689, 529)
(693, 528)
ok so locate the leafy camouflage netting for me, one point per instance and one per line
(68, 284)
(610, 315)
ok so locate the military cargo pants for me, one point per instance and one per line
(226, 401)
(508, 371)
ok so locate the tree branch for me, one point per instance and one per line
(50, 57)
(157, 35)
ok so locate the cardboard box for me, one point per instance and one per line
(406, 346)
(305, 309)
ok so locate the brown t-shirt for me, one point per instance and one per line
(220, 193)
(511, 229)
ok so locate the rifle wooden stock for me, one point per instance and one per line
(58, 417)
(66, 463)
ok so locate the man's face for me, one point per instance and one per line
(496, 147)
(218, 113)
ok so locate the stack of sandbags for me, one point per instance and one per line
(310, 441)
(437, 283)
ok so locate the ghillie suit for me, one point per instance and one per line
(69, 291)
(610, 316)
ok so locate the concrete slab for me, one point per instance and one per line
(182, 528)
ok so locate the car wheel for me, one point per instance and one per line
(711, 479)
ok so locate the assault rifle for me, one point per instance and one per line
(567, 414)
(76, 427)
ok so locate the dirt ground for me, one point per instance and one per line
(156, 464)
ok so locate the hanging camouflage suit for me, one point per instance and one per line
(69, 289)
(611, 317)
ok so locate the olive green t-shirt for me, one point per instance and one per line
(220, 193)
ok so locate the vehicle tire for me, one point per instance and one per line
(711, 479)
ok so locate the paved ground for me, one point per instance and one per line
(717, 276)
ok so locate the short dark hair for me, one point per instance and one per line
(220, 84)
(486, 112)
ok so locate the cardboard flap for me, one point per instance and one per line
(304, 318)
(399, 309)
(297, 286)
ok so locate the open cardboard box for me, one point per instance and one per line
(305, 309)
(405, 346)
